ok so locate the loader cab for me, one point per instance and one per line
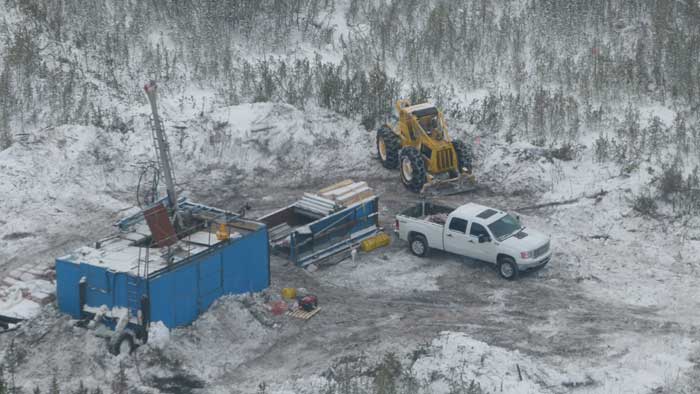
(432, 126)
(420, 118)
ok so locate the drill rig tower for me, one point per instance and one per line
(162, 147)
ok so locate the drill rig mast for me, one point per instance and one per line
(162, 147)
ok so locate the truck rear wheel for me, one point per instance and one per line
(388, 146)
(507, 268)
(412, 169)
(419, 245)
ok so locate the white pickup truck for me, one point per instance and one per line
(475, 231)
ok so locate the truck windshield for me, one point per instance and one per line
(504, 227)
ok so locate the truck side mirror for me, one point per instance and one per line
(483, 238)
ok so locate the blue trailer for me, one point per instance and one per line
(324, 226)
(125, 282)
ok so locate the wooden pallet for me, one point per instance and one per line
(301, 314)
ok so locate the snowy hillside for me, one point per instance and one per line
(582, 117)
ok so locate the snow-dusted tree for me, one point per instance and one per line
(3, 382)
(13, 359)
(54, 388)
(81, 389)
(120, 384)
(7, 102)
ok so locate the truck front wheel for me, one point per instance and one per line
(507, 268)
(419, 246)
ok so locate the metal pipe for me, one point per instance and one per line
(319, 199)
(317, 202)
(313, 207)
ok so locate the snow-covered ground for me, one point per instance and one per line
(615, 311)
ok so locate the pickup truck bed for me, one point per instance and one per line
(424, 210)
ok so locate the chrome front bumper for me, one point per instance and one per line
(541, 262)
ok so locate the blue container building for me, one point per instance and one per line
(126, 274)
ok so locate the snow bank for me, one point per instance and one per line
(220, 340)
(158, 334)
(63, 186)
(455, 357)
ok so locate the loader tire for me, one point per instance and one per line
(388, 146)
(412, 169)
(464, 155)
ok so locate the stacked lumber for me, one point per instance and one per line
(280, 232)
(25, 289)
(347, 192)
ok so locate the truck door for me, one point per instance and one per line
(456, 238)
(485, 251)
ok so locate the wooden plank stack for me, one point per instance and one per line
(347, 192)
(34, 283)
(302, 314)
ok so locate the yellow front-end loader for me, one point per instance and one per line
(421, 147)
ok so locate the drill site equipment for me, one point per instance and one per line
(377, 241)
(430, 162)
(161, 146)
(167, 263)
(324, 226)
(130, 279)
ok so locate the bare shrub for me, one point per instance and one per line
(671, 181)
(601, 148)
(645, 204)
(566, 152)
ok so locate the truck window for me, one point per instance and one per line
(457, 224)
(478, 230)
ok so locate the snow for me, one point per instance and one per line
(158, 334)
(13, 304)
(636, 267)
(402, 272)
(454, 356)
(630, 280)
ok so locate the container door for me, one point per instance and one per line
(186, 309)
(209, 281)
(100, 286)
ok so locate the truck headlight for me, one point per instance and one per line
(527, 255)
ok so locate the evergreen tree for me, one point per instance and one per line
(54, 388)
(13, 359)
(81, 389)
(3, 382)
(120, 384)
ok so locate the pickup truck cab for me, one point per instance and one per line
(474, 231)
